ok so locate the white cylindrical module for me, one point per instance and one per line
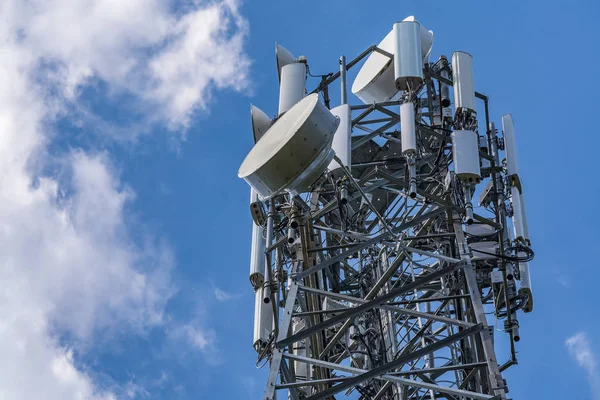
(341, 139)
(408, 57)
(510, 145)
(525, 289)
(293, 85)
(465, 155)
(263, 320)
(462, 75)
(260, 122)
(518, 213)
(407, 128)
(257, 255)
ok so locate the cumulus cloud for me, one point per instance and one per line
(69, 268)
(171, 62)
(580, 349)
(70, 265)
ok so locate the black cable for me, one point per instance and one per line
(317, 76)
(528, 258)
(520, 302)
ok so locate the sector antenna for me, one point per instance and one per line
(390, 247)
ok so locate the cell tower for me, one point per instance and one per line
(376, 276)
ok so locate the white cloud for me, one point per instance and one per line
(70, 266)
(170, 61)
(581, 350)
(199, 338)
(222, 295)
(201, 55)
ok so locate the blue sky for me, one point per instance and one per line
(126, 232)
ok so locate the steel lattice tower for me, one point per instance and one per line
(382, 280)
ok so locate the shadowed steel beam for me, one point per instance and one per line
(395, 309)
(391, 378)
(430, 254)
(431, 74)
(371, 304)
(311, 382)
(441, 369)
(398, 362)
(363, 194)
(287, 375)
(364, 245)
(360, 140)
(277, 358)
(379, 284)
(316, 214)
(495, 376)
(381, 372)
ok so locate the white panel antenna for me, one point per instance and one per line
(408, 60)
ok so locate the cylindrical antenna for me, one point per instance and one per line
(257, 257)
(407, 128)
(268, 242)
(510, 145)
(409, 143)
(293, 85)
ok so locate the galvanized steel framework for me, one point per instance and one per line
(379, 295)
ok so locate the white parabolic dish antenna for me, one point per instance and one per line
(294, 152)
(375, 81)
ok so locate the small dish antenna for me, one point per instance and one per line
(294, 152)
